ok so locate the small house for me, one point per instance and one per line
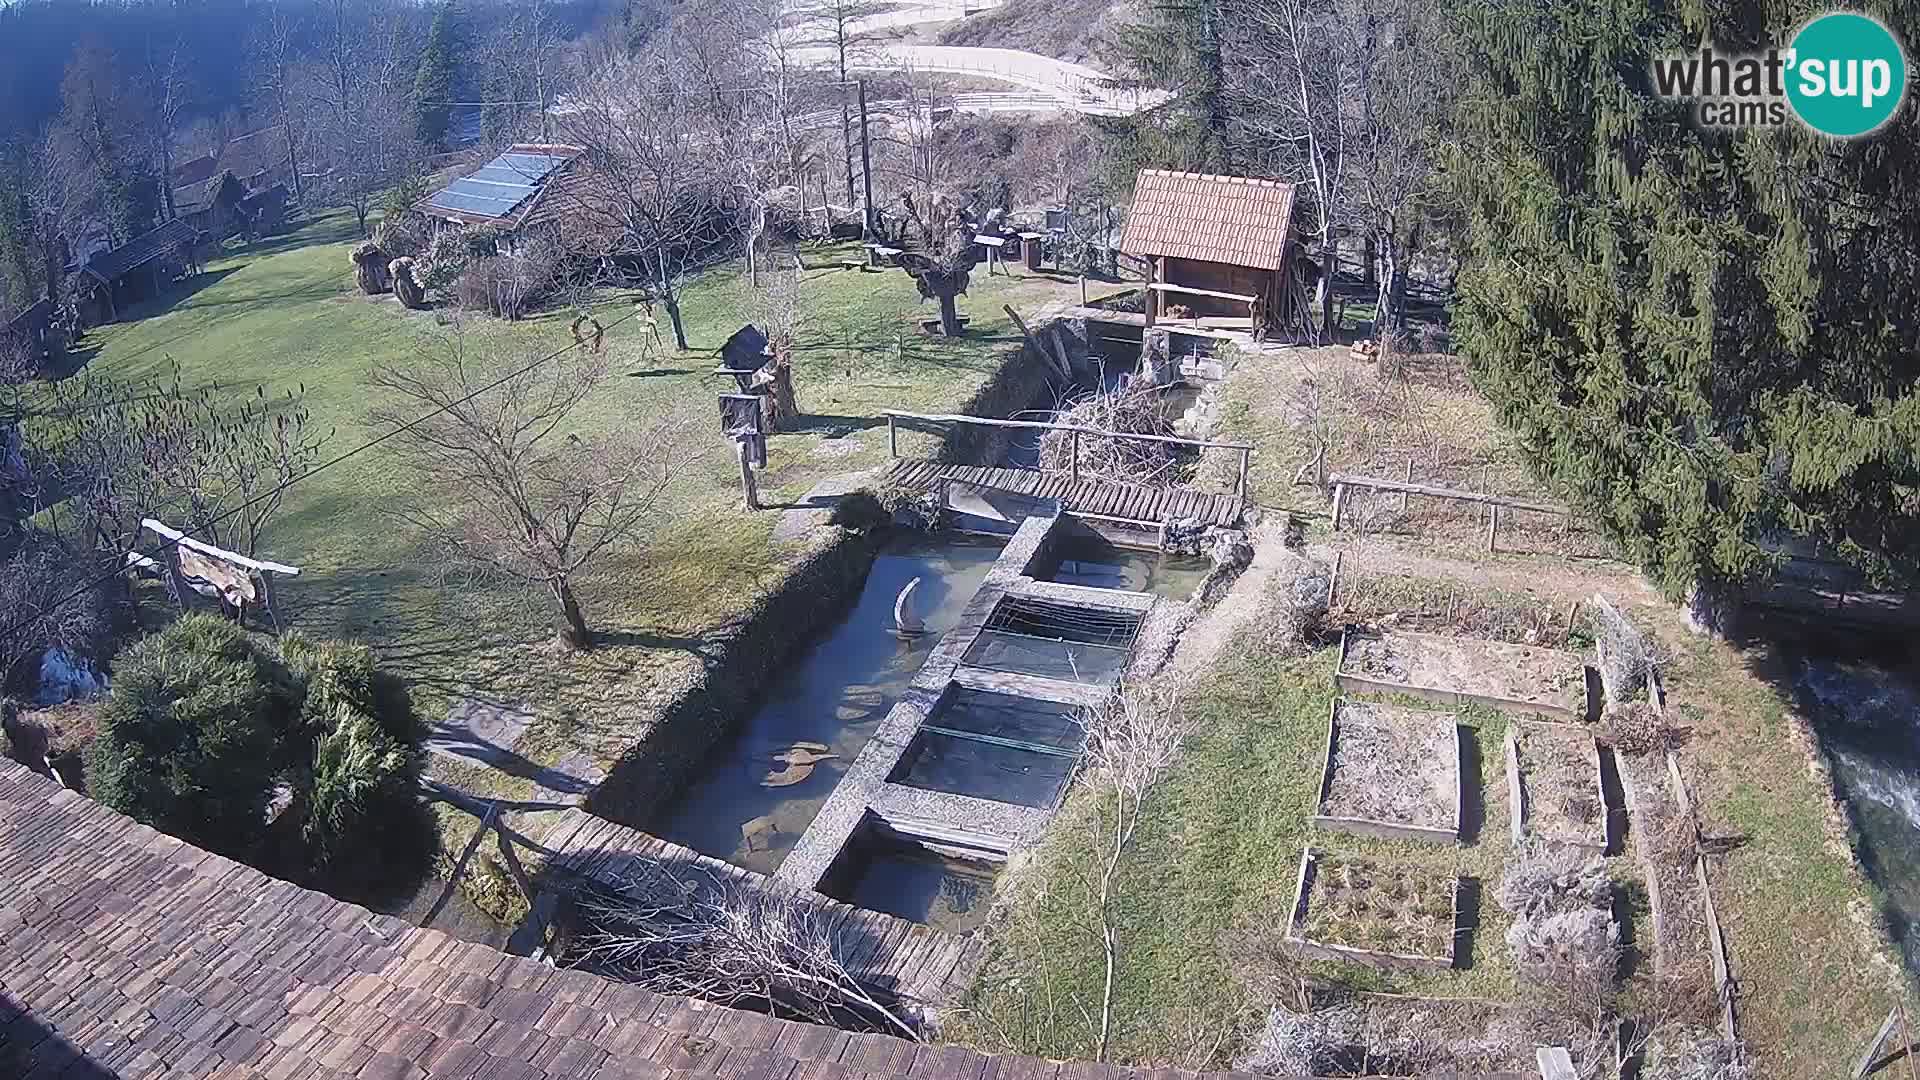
(33, 332)
(136, 270)
(508, 193)
(1220, 247)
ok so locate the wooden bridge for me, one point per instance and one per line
(1085, 496)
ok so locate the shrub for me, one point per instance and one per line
(445, 260)
(189, 738)
(359, 772)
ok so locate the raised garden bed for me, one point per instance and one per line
(1390, 772)
(1361, 911)
(1553, 785)
(1520, 679)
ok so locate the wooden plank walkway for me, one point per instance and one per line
(887, 954)
(1103, 498)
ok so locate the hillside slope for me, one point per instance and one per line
(1062, 29)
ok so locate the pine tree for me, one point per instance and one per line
(1174, 49)
(434, 85)
(1706, 339)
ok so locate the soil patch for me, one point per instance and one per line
(1392, 766)
(1557, 771)
(1518, 678)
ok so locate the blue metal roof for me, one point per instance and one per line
(502, 186)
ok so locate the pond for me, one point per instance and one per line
(834, 697)
(1088, 559)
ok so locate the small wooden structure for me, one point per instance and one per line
(136, 270)
(226, 576)
(1220, 246)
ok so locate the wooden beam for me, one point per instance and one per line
(1189, 291)
(222, 554)
(1378, 484)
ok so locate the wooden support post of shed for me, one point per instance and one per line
(746, 474)
(1151, 298)
(893, 437)
(1339, 501)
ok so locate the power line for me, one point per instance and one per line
(275, 491)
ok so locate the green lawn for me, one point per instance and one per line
(283, 314)
(1212, 874)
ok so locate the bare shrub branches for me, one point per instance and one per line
(511, 494)
(686, 931)
(1133, 739)
(1134, 410)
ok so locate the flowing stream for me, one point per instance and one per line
(1868, 719)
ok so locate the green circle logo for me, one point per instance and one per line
(1847, 75)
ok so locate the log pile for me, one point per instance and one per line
(1136, 410)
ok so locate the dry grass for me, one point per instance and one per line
(1359, 903)
(1303, 401)
(1395, 765)
(1436, 606)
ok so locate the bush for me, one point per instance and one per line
(444, 261)
(190, 737)
(861, 511)
(205, 720)
(508, 285)
(359, 772)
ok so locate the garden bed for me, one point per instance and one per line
(1554, 787)
(1522, 679)
(1390, 772)
(1365, 912)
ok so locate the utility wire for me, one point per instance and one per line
(22, 624)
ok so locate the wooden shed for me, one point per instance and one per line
(1221, 247)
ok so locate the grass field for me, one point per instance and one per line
(283, 314)
(1210, 881)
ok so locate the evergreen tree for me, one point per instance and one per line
(1707, 339)
(1174, 49)
(434, 85)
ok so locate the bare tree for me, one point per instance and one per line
(37, 582)
(276, 80)
(525, 67)
(689, 932)
(843, 30)
(355, 87)
(648, 203)
(509, 493)
(943, 265)
(164, 81)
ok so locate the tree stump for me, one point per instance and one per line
(370, 269)
(407, 287)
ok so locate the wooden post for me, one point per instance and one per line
(868, 220)
(1333, 579)
(1076, 455)
(1083, 288)
(1240, 487)
(1339, 501)
(1403, 495)
(1493, 524)
(1152, 277)
(893, 437)
(746, 474)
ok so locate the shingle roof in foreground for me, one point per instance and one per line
(126, 953)
(1225, 219)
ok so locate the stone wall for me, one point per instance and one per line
(740, 659)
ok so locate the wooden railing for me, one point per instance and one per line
(1245, 450)
(1493, 503)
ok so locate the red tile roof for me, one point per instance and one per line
(1223, 219)
(127, 953)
